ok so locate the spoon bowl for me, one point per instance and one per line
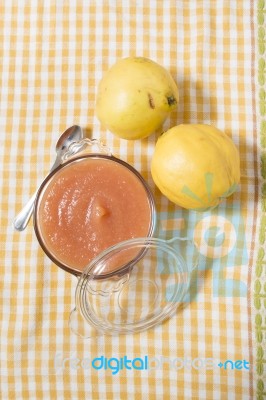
(72, 134)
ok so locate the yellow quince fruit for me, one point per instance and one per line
(135, 97)
(196, 166)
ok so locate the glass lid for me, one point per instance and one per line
(133, 286)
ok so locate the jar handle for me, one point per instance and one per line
(80, 327)
(92, 146)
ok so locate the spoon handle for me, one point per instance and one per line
(22, 219)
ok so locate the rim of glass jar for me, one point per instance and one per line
(81, 302)
(76, 158)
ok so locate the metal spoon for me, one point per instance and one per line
(72, 134)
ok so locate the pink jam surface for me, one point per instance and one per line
(89, 205)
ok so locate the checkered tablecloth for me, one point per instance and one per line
(53, 54)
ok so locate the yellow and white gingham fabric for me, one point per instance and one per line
(53, 54)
